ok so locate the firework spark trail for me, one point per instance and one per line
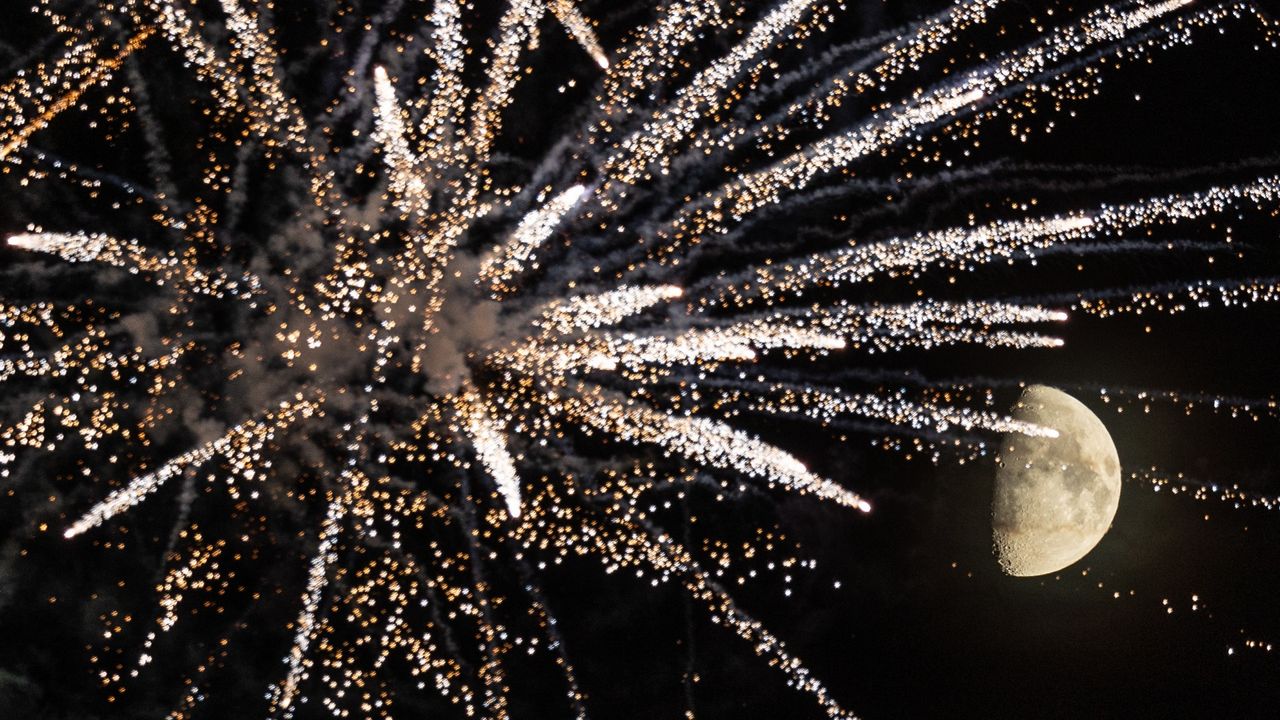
(632, 350)
(749, 192)
(510, 258)
(1233, 406)
(634, 541)
(923, 324)
(983, 244)
(128, 254)
(137, 490)
(592, 312)
(1173, 298)
(580, 28)
(179, 29)
(489, 441)
(282, 696)
(705, 441)
(1189, 402)
(860, 262)
(1177, 483)
(273, 113)
(904, 53)
(450, 666)
(27, 432)
(764, 642)
(38, 314)
(408, 184)
(1168, 298)
(274, 110)
(515, 30)
(76, 410)
(430, 250)
(651, 56)
(89, 345)
(655, 142)
(254, 92)
(80, 68)
(180, 580)
(993, 178)
(491, 672)
(442, 125)
(1099, 25)
(829, 86)
(912, 315)
(356, 96)
(607, 354)
(826, 405)
(1172, 208)
(650, 143)
(713, 346)
(28, 367)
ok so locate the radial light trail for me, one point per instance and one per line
(389, 333)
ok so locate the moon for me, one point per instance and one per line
(1054, 497)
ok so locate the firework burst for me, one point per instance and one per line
(365, 311)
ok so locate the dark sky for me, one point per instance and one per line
(905, 613)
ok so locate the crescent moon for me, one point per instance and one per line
(1054, 497)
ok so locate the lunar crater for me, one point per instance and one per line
(1055, 497)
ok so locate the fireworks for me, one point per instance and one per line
(440, 345)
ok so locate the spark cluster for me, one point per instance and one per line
(437, 361)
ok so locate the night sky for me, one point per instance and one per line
(902, 612)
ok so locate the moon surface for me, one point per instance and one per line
(1054, 497)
